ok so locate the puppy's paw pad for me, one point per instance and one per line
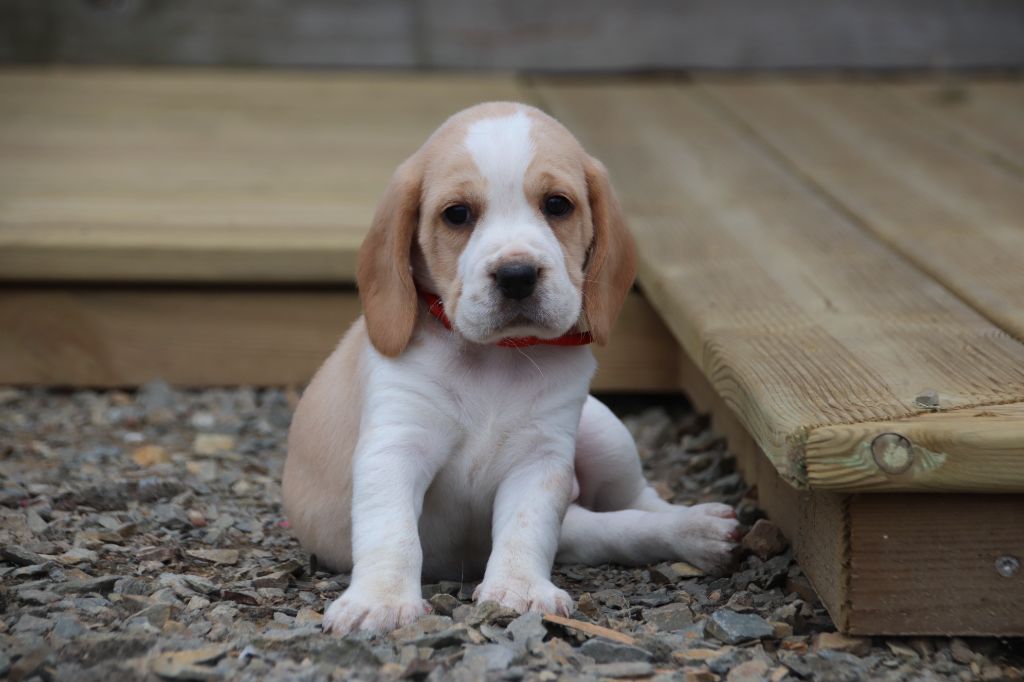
(523, 595)
(349, 613)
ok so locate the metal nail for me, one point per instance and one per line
(1007, 566)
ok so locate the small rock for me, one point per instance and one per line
(39, 597)
(663, 574)
(150, 455)
(33, 624)
(527, 628)
(605, 651)
(67, 627)
(960, 651)
(156, 615)
(491, 613)
(217, 556)
(835, 641)
(77, 555)
(685, 570)
(734, 628)
(701, 674)
(491, 657)
(670, 617)
(748, 671)
(212, 444)
(19, 556)
(36, 523)
(307, 616)
(102, 584)
(765, 540)
(444, 604)
(187, 665)
(901, 649)
(632, 670)
(588, 607)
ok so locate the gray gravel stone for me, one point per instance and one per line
(735, 628)
(606, 651)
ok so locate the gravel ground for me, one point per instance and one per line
(142, 538)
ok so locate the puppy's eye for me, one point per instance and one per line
(457, 215)
(557, 206)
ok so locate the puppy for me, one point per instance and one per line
(450, 434)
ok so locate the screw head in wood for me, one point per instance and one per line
(1007, 566)
(928, 400)
(892, 452)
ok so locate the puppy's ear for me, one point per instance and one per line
(611, 265)
(384, 272)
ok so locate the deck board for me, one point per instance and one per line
(801, 320)
(987, 115)
(950, 212)
(214, 176)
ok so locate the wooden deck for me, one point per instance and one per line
(836, 267)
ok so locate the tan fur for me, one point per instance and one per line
(321, 442)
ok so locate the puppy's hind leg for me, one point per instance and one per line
(619, 518)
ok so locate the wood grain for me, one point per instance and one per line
(798, 317)
(113, 336)
(208, 176)
(980, 114)
(968, 450)
(926, 564)
(953, 214)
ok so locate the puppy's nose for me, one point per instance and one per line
(516, 280)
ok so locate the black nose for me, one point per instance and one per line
(516, 280)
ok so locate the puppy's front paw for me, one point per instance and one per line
(357, 610)
(523, 594)
(706, 535)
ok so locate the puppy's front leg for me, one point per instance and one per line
(528, 511)
(393, 468)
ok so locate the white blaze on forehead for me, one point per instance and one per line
(502, 150)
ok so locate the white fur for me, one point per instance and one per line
(510, 230)
(471, 457)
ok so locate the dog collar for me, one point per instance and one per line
(436, 308)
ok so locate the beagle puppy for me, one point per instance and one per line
(450, 434)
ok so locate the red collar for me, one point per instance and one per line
(436, 308)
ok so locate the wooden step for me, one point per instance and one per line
(821, 257)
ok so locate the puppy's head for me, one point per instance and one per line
(505, 217)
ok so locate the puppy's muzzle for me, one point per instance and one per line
(516, 280)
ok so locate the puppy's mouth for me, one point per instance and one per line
(522, 320)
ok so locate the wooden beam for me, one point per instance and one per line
(888, 564)
(206, 176)
(930, 565)
(113, 336)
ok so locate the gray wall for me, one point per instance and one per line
(559, 35)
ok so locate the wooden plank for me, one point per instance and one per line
(208, 176)
(799, 318)
(981, 114)
(926, 564)
(111, 336)
(950, 212)
(570, 35)
(886, 564)
(969, 450)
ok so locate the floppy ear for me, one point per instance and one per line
(611, 266)
(384, 272)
